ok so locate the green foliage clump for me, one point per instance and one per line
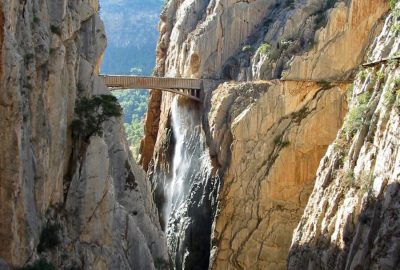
(395, 28)
(320, 20)
(350, 179)
(391, 96)
(92, 113)
(247, 48)
(49, 237)
(55, 30)
(28, 57)
(40, 264)
(357, 115)
(380, 75)
(392, 4)
(264, 48)
(363, 74)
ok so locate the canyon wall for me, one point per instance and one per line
(264, 138)
(75, 203)
(352, 218)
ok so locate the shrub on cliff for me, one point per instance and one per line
(264, 48)
(92, 113)
(49, 237)
(357, 115)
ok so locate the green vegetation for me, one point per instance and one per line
(247, 48)
(273, 53)
(363, 73)
(264, 48)
(40, 264)
(395, 28)
(131, 51)
(28, 57)
(92, 113)
(350, 91)
(49, 237)
(134, 104)
(285, 44)
(55, 30)
(350, 179)
(357, 115)
(392, 4)
(392, 95)
(380, 75)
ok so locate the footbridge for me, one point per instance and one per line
(190, 88)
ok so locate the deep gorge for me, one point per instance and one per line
(291, 160)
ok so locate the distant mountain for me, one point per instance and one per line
(131, 27)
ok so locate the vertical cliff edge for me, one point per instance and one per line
(69, 197)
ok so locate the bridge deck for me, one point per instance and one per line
(136, 82)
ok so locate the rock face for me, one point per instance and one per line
(264, 139)
(351, 220)
(91, 194)
(276, 144)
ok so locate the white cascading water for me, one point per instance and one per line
(190, 193)
(181, 123)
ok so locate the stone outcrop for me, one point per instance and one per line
(351, 220)
(91, 193)
(276, 142)
(265, 139)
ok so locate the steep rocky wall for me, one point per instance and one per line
(274, 146)
(265, 140)
(276, 141)
(94, 194)
(352, 218)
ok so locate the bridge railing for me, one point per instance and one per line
(145, 82)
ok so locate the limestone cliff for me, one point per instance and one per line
(78, 204)
(263, 139)
(352, 218)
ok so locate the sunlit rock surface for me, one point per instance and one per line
(352, 218)
(50, 53)
(276, 142)
(264, 141)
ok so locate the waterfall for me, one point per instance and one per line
(182, 122)
(191, 191)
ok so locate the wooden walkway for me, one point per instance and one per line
(190, 88)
